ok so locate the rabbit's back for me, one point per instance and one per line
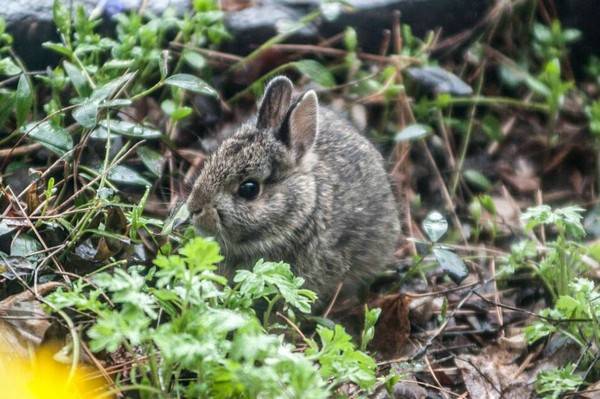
(359, 215)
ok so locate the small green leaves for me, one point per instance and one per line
(191, 83)
(412, 132)
(62, 18)
(268, 278)
(200, 329)
(350, 39)
(435, 226)
(554, 383)
(54, 138)
(23, 99)
(567, 219)
(339, 359)
(371, 317)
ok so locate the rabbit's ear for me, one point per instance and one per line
(303, 125)
(275, 103)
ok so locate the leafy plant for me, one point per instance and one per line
(554, 383)
(185, 319)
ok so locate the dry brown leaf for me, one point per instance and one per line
(393, 328)
(23, 321)
(494, 374)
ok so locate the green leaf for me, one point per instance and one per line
(477, 178)
(55, 138)
(412, 133)
(8, 67)
(77, 78)
(23, 99)
(315, 71)
(24, 245)
(350, 39)
(191, 83)
(127, 176)
(194, 59)
(58, 48)
(125, 128)
(435, 226)
(451, 264)
(152, 159)
(86, 114)
(61, 17)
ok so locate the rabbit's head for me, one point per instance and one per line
(257, 189)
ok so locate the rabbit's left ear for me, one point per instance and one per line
(275, 103)
(300, 132)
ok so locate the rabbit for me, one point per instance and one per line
(299, 184)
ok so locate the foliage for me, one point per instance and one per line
(188, 322)
(554, 383)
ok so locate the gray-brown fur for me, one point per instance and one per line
(325, 204)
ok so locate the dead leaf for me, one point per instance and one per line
(494, 374)
(32, 199)
(393, 328)
(23, 321)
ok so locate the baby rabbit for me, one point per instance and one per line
(300, 185)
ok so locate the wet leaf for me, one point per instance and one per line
(86, 114)
(24, 245)
(191, 83)
(125, 128)
(180, 216)
(127, 176)
(438, 80)
(451, 264)
(435, 226)
(152, 159)
(413, 132)
(77, 78)
(316, 72)
(23, 99)
(55, 138)
(5, 228)
(12, 267)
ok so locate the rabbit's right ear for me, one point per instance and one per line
(275, 103)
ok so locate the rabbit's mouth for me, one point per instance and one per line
(207, 221)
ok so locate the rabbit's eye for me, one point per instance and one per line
(249, 189)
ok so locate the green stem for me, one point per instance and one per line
(267, 315)
(493, 101)
(275, 40)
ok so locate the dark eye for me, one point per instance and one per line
(249, 189)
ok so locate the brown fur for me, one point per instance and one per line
(325, 204)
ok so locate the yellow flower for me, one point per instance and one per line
(39, 376)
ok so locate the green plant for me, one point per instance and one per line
(561, 261)
(554, 383)
(552, 41)
(202, 338)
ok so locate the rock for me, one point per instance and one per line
(31, 21)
